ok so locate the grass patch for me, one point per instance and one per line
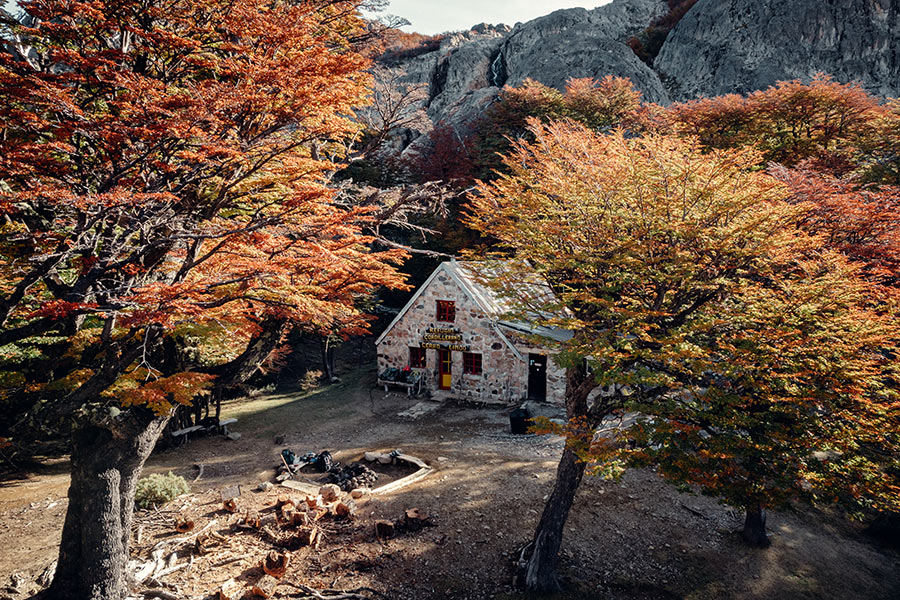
(326, 402)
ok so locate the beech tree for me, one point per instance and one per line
(650, 244)
(599, 104)
(793, 402)
(789, 122)
(862, 221)
(161, 181)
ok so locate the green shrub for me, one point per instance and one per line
(311, 380)
(156, 490)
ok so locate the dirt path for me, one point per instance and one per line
(636, 538)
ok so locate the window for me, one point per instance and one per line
(417, 358)
(446, 310)
(471, 363)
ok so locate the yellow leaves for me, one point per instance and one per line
(72, 381)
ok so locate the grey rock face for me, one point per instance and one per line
(719, 47)
(465, 74)
(581, 43)
(725, 46)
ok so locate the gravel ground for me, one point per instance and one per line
(633, 538)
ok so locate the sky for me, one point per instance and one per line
(436, 16)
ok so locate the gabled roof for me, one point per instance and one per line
(465, 274)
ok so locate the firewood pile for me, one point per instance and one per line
(352, 476)
(263, 536)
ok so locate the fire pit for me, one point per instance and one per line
(381, 472)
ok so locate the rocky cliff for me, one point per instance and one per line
(723, 46)
(719, 46)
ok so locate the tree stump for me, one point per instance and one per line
(183, 524)
(251, 520)
(276, 563)
(307, 536)
(414, 519)
(384, 530)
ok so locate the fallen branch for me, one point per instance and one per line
(170, 570)
(307, 593)
(162, 594)
(227, 561)
(186, 538)
(694, 510)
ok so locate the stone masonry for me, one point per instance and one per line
(504, 353)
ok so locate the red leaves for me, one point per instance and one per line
(59, 309)
(159, 176)
(861, 222)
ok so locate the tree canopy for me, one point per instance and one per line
(164, 194)
(695, 296)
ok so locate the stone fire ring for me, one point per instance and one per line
(387, 488)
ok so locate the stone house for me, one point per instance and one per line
(453, 332)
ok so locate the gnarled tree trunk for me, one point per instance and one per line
(540, 571)
(540, 574)
(106, 462)
(754, 532)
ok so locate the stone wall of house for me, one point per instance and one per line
(504, 377)
(556, 375)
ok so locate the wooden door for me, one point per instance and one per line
(445, 366)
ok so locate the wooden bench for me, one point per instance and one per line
(222, 426)
(413, 388)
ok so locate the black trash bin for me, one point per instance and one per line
(519, 421)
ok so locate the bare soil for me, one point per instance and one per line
(631, 539)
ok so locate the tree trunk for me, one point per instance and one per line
(106, 463)
(540, 571)
(327, 349)
(754, 532)
(540, 574)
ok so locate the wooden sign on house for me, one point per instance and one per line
(455, 331)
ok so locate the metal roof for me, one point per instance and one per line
(469, 275)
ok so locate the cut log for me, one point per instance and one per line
(414, 519)
(265, 587)
(330, 492)
(183, 524)
(251, 519)
(299, 519)
(345, 509)
(230, 590)
(284, 501)
(313, 501)
(307, 536)
(384, 530)
(276, 563)
(287, 513)
(230, 505)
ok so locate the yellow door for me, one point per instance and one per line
(445, 366)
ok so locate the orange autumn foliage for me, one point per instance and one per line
(161, 175)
